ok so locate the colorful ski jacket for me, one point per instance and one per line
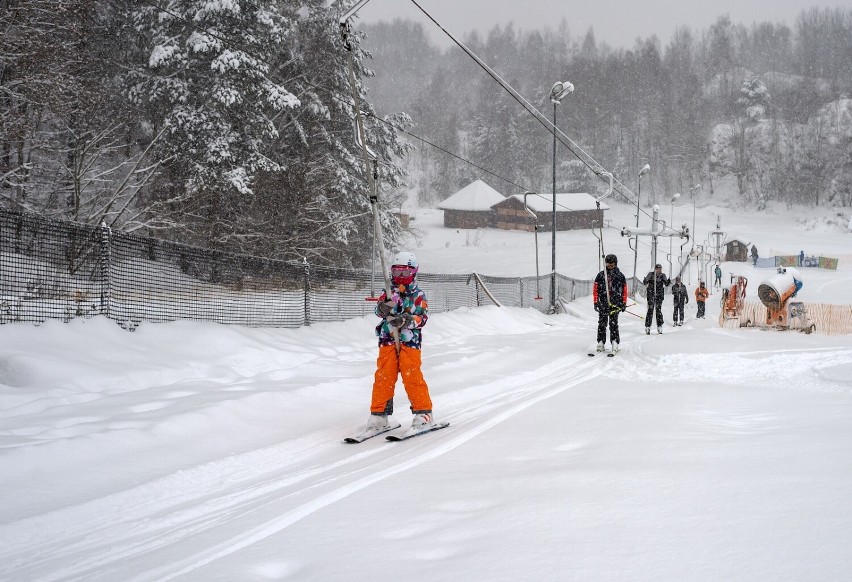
(617, 289)
(410, 300)
(701, 294)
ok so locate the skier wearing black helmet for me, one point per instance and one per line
(656, 283)
(609, 294)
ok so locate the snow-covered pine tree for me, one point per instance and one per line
(321, 203)
(209, 82)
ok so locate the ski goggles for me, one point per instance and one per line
(402, 271)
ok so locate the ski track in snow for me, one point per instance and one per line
(185, 520)
(99, 540)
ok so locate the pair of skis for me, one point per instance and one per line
(407, 434)
(608, 354)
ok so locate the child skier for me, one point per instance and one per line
(680, 296)
(403, 313)
(701, 295)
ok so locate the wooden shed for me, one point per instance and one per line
(574, 211)
(470, 207)
(736, 250)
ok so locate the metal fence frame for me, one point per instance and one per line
(52, 269)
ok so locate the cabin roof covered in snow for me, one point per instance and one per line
(475, 196)
(565, 202)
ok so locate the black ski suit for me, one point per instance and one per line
(680, 296)
(655, 291)
(608, 311)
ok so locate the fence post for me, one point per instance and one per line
(521, 287)
(105, 258)
(307, 269)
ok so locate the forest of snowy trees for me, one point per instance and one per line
(224, 123)
(766, 106)
(229, 123)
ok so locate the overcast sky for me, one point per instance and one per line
(616, 22)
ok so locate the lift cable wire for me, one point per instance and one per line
(345, 99)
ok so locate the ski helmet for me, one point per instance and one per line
(405, 258)
(403, 268)
(611, 259)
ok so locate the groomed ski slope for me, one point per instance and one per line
(191, 451)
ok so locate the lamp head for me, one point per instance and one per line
(675, 196)
(645, 169)
(560, 90)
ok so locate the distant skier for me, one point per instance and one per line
(406, 312)
(754, 256)
(609, 303)
(680, 296)
(718, 273)
(655, 289)
(701, 295)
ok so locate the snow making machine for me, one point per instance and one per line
(776, 293)
(733, 299)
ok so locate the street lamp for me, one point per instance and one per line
(671, 222)
(645, 169)
(558, 92)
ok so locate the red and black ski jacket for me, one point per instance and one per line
(617, 289)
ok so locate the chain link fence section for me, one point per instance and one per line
(49, 270)
(52, 269)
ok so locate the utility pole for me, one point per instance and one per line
(654, 232)
(719, 236)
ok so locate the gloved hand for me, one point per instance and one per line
(385, 308)
(400, 321)
(597, 307)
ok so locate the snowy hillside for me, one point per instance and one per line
(190, 451)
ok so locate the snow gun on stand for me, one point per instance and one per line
(775, 293)
(733, 299)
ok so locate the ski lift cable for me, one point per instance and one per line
(578, 152)
(346, 100)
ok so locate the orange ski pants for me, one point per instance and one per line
(407, 364)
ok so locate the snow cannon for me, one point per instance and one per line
(733, 298)
(775, 293)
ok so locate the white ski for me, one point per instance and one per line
(368, 434)
(412, 432)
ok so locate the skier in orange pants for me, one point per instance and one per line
(404, 313)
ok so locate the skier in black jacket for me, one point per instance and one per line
(609, 303)
(680, 296)
(655, 285)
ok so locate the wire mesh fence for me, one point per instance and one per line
(53, 269)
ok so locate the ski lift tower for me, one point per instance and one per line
(719, 237)
(658, 228)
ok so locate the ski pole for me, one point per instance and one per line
(361, 139)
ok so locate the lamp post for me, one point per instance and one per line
(645, 169)
(671, 222)
(692, 195)
(558, 92)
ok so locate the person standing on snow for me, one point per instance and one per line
(701, 295)
(655, 289)
(680, 296)
(718, 273)
(754, 256)
(404, 312)
(609, 301)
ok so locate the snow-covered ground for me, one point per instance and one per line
(193, 451)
